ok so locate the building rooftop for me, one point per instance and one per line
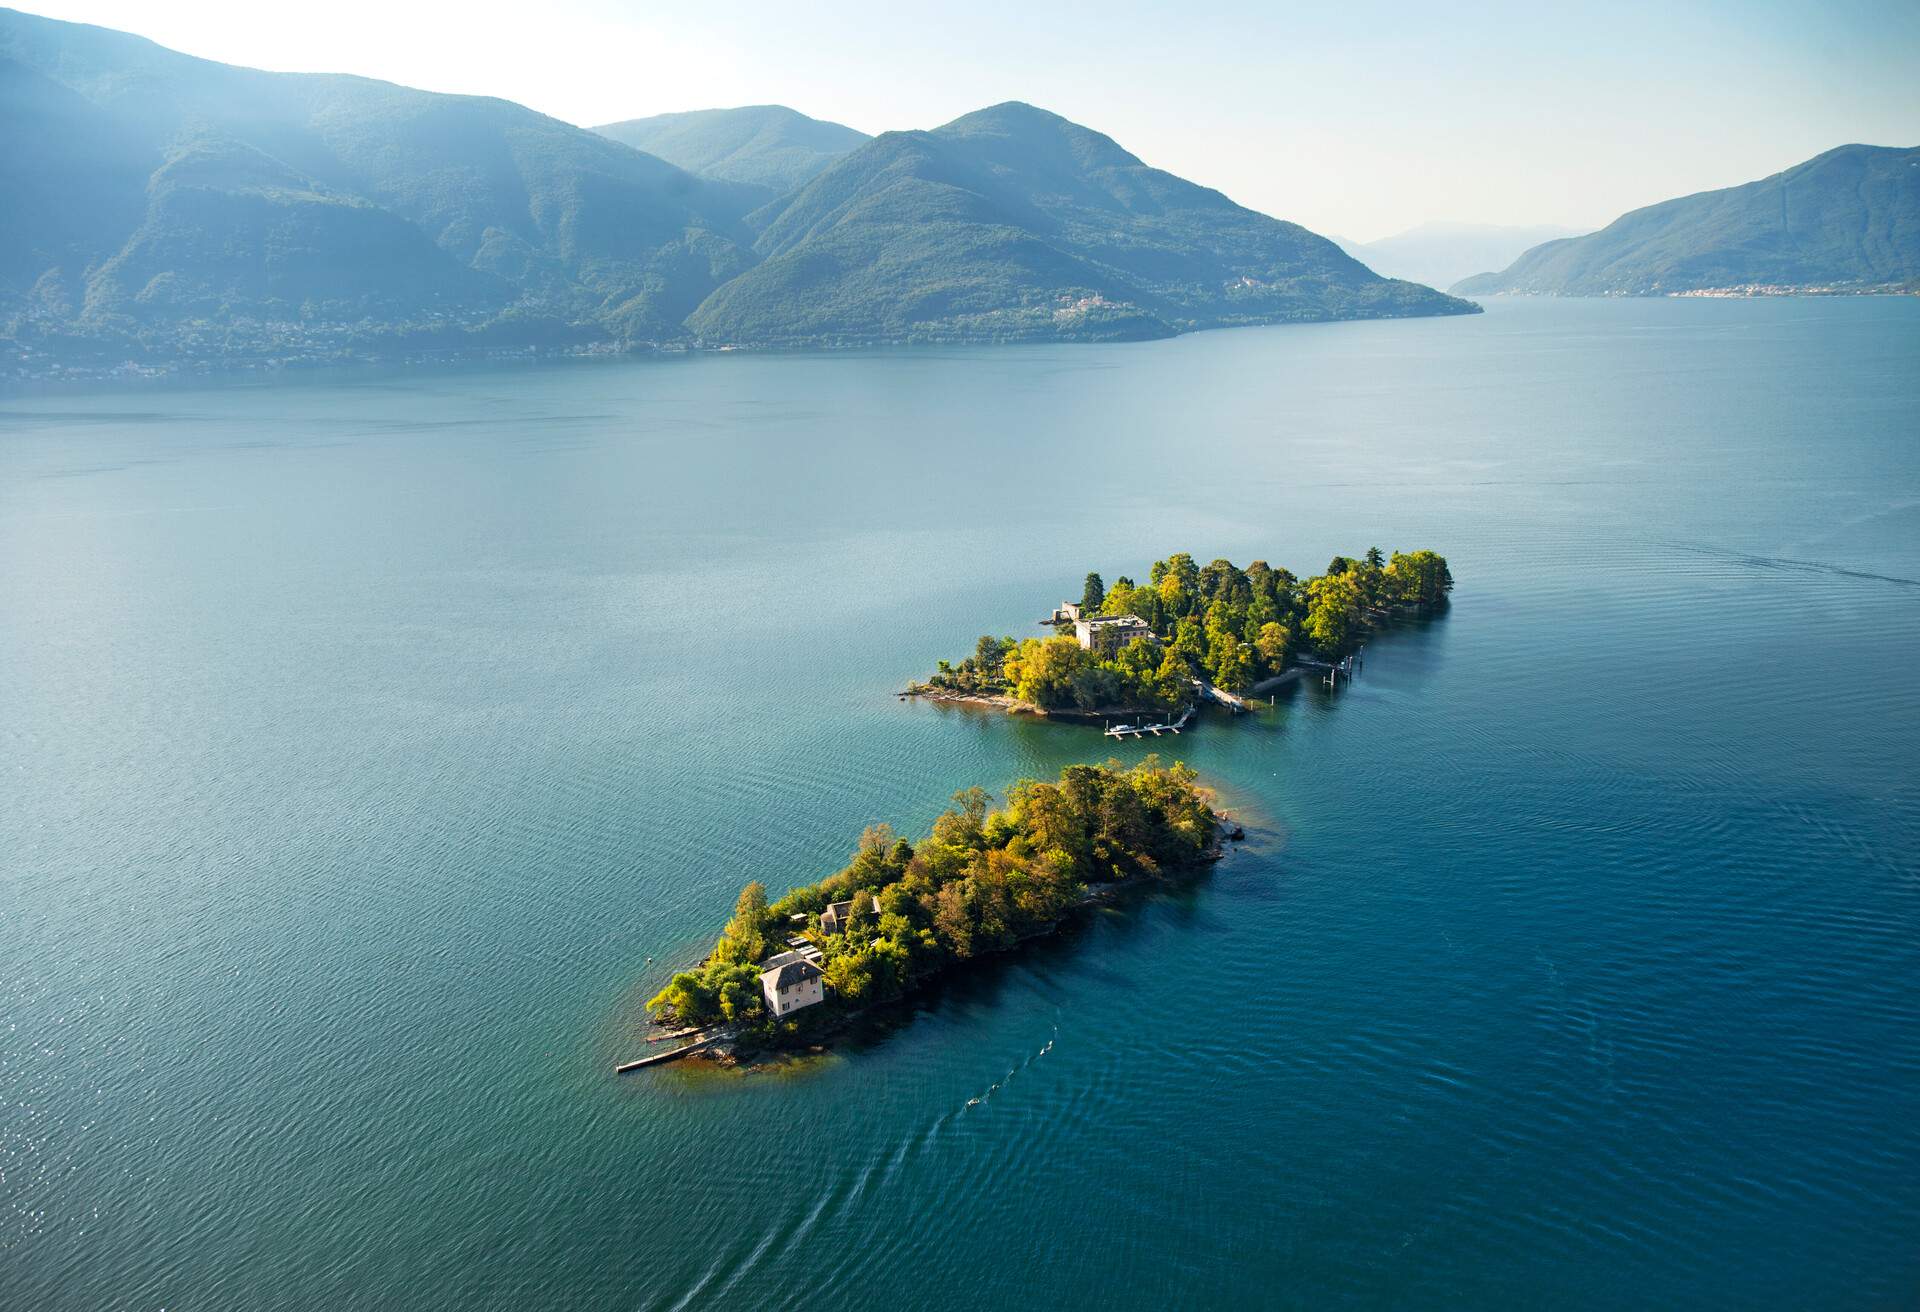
(790, 974)
(839, 910)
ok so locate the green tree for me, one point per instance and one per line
(989, 656)
(688, 998)
(1173, 674)
(1189, 642)
(973, 803)
(1043, 670)
(736, 992)
(746, 935)
(1221, 580)
(850, 976)
(952, 920)
(1137, 663)
(1230, 664)
(1093, 594)
(1420, 578)
(1333, 614)
(1272, 644)
(1179, 583)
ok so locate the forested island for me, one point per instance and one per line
(901, 913)
(1136, 647)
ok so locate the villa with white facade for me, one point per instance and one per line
(790, 982)
(1110, 631)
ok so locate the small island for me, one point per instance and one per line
(898, 915)
(1192, 631)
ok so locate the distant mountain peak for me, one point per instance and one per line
(1847, 218)
(1013, 223)
(772, 147)
(1017, 120)
(1012, 113)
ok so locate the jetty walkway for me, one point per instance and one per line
(1232, 701)
(1142, 730)
(661, 1058)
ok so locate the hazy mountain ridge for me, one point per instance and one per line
(1012, 222)
(1849, 217)
(165, 207)
(766, 146)
(206, 190)
(1440, 254)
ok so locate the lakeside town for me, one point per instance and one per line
(36, 352)
(1751, 290)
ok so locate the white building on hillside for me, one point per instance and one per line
(1110, 632)
(790, 982)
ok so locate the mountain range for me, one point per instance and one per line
(161, 207)
(1441, 254)
(767, 146)
(1848, 219)
(154, 198)
(1013, 223)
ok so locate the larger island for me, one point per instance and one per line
(1152, 646)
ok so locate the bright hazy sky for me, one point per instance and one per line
(1357, 118)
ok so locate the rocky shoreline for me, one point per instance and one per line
(1014, 706)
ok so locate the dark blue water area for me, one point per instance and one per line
(374, 748)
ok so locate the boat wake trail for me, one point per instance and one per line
(980, 1100)
(1790, 563)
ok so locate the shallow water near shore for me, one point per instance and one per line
(364, 741)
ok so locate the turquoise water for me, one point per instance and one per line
(364, 741)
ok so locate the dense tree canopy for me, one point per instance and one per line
(1218, 622)
(982, 880)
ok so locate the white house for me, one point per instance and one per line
(1067, 612)
(1117, 630)
(790, 982)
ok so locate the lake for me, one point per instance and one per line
(375, 747)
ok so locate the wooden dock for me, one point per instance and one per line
(661, 1058)
(1335, 670)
